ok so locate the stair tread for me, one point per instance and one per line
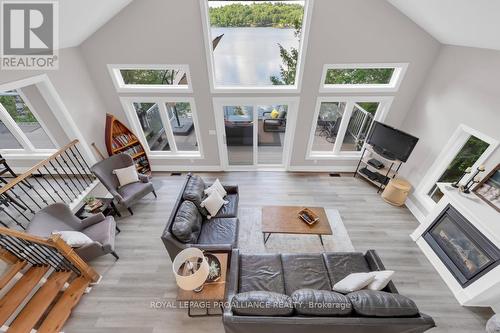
(39, 303)
(16, 295)
(11, 272)
(61, 311)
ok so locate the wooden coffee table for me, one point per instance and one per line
(285, 220)
(213, 292)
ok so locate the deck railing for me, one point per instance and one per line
(63, 177)
(359, 124)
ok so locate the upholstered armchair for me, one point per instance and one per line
(124, 195)
(58, 217)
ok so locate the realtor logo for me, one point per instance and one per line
(29, 35)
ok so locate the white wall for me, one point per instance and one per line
(462, 88)
(159, 31)
(361, 31)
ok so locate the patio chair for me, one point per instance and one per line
(125, 195)
(274, 124)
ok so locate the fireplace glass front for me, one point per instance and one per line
(461, 247)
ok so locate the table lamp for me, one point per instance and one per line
(190, 269)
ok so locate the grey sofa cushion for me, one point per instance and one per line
(339, 265)
(230, 209)
(373, 303)
(261, 272)
(194, 192)
(219, 231)
(311, 302)
(262, 303)
(187, 223)
(303, 271)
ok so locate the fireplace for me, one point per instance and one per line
(464, 250)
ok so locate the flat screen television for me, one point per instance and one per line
(391, 142)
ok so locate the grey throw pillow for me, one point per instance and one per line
(371, 303)
(262, 303)
(195, 192)
(312, 302)
(187, 223)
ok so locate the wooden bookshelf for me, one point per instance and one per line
(120, 139)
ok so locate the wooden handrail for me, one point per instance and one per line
(25, 236)
(56, 242)
(37, 166)
(69, 253)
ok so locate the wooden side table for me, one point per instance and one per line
(108, 208)
(213, 292)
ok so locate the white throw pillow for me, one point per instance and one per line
(381, 279)
(127, 175)
(216, 186)
(74, 238)
(353, 282)
(213, 203)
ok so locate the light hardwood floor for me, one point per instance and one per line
(122, 301)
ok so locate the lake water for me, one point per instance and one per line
(249, 56)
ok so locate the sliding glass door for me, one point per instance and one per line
(254, 133)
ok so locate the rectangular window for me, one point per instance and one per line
(166, 126)
(151, 78)
(466, 157)
(255, 44)
(19, 127)
(342, 124)
(362, 77)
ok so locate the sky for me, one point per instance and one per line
(224, 3)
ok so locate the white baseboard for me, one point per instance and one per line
(322, 168)
(415, 210)
(198, 168)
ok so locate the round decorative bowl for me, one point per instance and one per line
(214, 268)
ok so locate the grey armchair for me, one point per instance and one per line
(58, 217)
(124, 195)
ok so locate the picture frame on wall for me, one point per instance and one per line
(489, 188)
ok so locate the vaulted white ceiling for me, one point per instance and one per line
(472, 23)
(79, 19)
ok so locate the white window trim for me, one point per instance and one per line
(447, 154)
(393, 86)
(293, 107)
(336, 153)
(127, 103)
(60, 111)
(121, 87)
(306, 22)
(19, 135)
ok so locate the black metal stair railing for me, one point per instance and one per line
(63, 177)
(38, 252)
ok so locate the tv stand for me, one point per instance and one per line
(377, 177)
(384, 153)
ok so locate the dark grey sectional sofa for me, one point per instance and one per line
(188, 225)
(273, 278)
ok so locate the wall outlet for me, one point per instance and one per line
(212, 132)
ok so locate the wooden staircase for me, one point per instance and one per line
(43, 283)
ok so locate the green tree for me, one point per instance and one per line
(359, 76)
(289, 60)
(148, 76)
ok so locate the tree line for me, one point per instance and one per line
(265, 14)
